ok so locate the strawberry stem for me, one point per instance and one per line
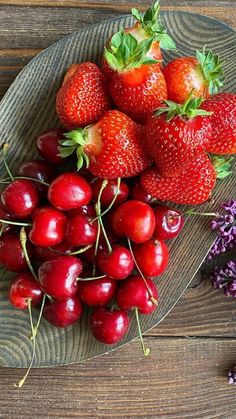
(146, 351)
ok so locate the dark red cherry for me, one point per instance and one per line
(46, 253)
(58, 276)
(169, 222)
(49, 227)
(133, 293)
(118, 264)
(11, 253)
(109, 192)
(109, 326)
(152, 257)
(20, 198)
(38, 169)
(133, 219)
(7, 228)
(23, 288)
(88, 210)
(63, 313)
(81, 231)
(48, 143)
(139, 194)
(97, 292)
(69, 191)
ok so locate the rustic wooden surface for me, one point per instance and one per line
(184, 376)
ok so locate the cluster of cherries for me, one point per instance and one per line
(76, 240)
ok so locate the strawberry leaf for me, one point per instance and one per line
(222, 165)
(189, 109)
(166, 42)
(137, 15)
(212, 68)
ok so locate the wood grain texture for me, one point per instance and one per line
(29, 108)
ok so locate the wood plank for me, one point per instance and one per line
(181, 378)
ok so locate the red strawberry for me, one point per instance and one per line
(200, 75)
(83, 97)
(147, 26)
(193, 186)
(113, 147)
(223, 121)
(176, 135)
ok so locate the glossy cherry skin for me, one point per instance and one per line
(46, 253)
(49, 227)
(152, 257)
(38, 169)
(63, 313)
(109, 192)
(88, 210)
(81, 231)
(69, 191)
(133, 219)
(109, 326)
(7, 228)
(23, 288)
(58, 277)
(20, 198)
(169, 222)
(133, 293)
(97, 292)
(48, 143)
(139, 194)
(118, 264)
(11, 253)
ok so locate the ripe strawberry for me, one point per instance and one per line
(176, 135)
(193, 186)
(200, 75)
(113, 147)
(223, 121)
(147, 26)
(83, 97)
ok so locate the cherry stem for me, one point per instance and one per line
(8, 180)
(91, 279)
(77, 252)
(5, 149)
(152, 298)
(23, 240)
(113, 200)
(33, 335)
(207, 214)
(22, 381)
(146, 351)
(1, 230)
(98, 211)
(15, 223)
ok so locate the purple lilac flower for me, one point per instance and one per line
(232, 376)
(224, 277)
(225, 227)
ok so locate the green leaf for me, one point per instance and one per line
(131, 43)
(147, 60)
(212, 69)
(111, 59)
(166, 42)
(66, 151)
(137, 15)
(222, 165)
(116, 40)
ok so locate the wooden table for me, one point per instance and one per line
(185, 374)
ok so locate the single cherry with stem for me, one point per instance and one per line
(97, 291)
(168, 222)
(116, 262)
(81, 231)
(115, 192)
(49, 227)
(109, 326)
(152, 257)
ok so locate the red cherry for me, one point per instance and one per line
(89, 254)
(97, 292)
(109, 326)
(7, 228)
(58, 276)
(11, 253)
(88, 210)
(81, 231)
(69, 191)
(169, 222)
(49, 227)
(63, 313)
(152, 257)
(139, 194)
(48, 143)
(133, 219)
(45, 253)
(133, 293)
(40, 170)
(109, 192)
(118, 264)
(23, 288)
(20, 198)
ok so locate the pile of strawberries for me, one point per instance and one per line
(87, 235)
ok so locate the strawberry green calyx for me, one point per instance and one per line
(212, 68)
(189, 109)
(151, 23)
(125, 52)
(75, 143)
(222, 165)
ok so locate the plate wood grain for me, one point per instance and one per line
(28, 108)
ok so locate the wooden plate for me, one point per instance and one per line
(28, 108)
